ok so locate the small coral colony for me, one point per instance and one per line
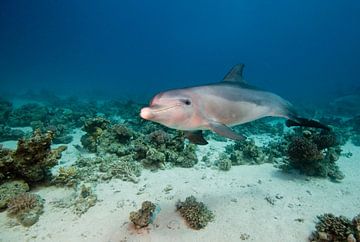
(117, 144)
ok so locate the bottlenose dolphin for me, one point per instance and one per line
(219, 106)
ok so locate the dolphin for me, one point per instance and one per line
(219, 106)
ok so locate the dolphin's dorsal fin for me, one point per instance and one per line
(235, 74)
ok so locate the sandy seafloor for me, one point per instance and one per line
(237, 198)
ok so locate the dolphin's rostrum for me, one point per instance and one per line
(219, 106)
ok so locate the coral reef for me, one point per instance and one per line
(325, 139)
(66, 176)
(60, 131)
(107, 167)
(314, 154)
(303, 149)
(196, 214)
(31, 160)
(223, 162)
(116, 140)
(94, 128)
(10, 189)
(153, 148)
(144, 216)
(337, 229)
(126, 169)
(5, 110)
(7, 133)
(24, 115)
(85, 200)
(26, 207)
(356, 224)
(246, 152)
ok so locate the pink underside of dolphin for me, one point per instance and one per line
(218, 107)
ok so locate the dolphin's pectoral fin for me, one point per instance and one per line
(196, 137)
(225, 131)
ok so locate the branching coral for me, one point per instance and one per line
(196, 214)
(66, 176)
(10, 189)
(26, 207)
(144, 216)
(22, 202)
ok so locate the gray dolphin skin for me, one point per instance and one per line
(218, 107)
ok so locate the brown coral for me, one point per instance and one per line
(22, 203)
(143, 217)
(32, 159)
(332, 228)
(302, 149)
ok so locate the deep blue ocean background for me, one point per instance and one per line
(302, 50)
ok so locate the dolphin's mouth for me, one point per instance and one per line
(149, 112)
(164, 109)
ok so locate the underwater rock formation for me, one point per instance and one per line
(60, 131)
(32, 159)
(144, 216)
(26, 207)
(314, 154)
(7, 133)
(337, 229)
(5, 110)
(196, 214)
(10, 189)
(24, 115)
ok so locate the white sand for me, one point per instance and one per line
(237, 198)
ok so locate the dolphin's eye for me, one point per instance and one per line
(186, 101)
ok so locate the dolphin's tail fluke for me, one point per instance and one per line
(303, 122)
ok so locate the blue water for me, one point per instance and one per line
(298, 49)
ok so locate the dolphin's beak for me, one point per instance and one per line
(147, 113)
